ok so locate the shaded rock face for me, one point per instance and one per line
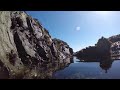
(26, 45)
(101, 49)
(88, 52)
(103, 46)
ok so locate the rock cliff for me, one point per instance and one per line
(25, 46)
(101, 49)
(104, 47)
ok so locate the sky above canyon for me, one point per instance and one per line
(79, 28)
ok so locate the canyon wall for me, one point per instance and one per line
(25, 45)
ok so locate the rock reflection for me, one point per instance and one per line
(105, 63)
(47, 69)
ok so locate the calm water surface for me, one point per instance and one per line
(89, 70)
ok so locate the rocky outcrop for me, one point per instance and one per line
(114, 38)
(115, 47)
(87, 52)
(101, 49)
(25, 45)
(63, 48)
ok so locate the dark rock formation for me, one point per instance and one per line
(25, 46)
(101, 49)
(87, 52)
(104, 47)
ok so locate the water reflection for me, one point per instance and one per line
(105, 63)
(46, 70)
(68, 68)
(90, 68)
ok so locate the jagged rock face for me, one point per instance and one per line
(115, 49)
(24, 43)
(62, 48)
(115, 46)
(114, 38)
(8, 52)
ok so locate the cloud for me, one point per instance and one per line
(78, 28)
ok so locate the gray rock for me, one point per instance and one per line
(25, 45)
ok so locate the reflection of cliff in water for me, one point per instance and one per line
(105, 63)
(47, 69)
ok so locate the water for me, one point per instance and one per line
(108, 69)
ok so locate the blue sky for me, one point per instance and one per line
(79, 28)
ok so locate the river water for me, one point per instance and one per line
(109, 69)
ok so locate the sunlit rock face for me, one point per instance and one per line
(115, 47)
(25, 45)
(114, 38)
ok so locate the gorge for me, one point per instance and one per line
(28, 51)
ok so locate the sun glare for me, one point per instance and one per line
(103, 12)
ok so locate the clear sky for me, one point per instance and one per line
(79, 28)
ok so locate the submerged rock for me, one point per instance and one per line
(25, 45)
